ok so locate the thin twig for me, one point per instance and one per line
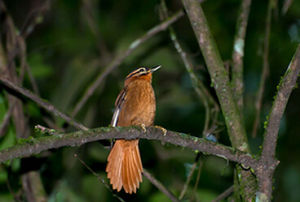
(11, 191)
(32, 79)
(286, 6)
(34, 18)
(188, 180)
(159, 186)
(268, 160)
(121, 57)
(198, 177)
(6, 119)
(265, 70)
(8, 70)
(98, 177)
(58, 139)
(225, 194)
(42, 103)
(238, 53)
(198, 85)
(89, 14)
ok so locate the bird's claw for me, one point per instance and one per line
(162, 129)
(144, 128)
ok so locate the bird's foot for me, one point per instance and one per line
(144, 128)
(162, 129)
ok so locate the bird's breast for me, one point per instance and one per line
(139, 104)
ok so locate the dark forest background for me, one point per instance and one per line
(74, 40)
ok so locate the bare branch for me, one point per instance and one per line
(286, 6)
(88, 10)
(265, 71)
(159, 185)
(99, 178)
(188, 180)
(6, 119)
(268, 160)
(42, 103)
(120, 58)
(238, 53)
(224, 195)
(198, 85)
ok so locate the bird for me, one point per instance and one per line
(134, 106)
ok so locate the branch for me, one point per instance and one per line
(265, 70)
(238, 53)
(107, 186)
(198, 85)
(189, 177)
(218, 74)
(6, 120)
(57, 140)
(286, 6)
(225, 194)
(159, 186)
(220, 80)
(42, 103)
(120, 58)
(268, 160)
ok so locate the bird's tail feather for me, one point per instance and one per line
(124, 167)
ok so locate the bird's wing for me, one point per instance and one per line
(118, 105)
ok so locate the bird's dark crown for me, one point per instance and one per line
(139, 72)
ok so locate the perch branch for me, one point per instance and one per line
(57, 140)
(268, 160)
(120, 58)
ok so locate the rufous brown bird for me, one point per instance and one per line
(135, 105)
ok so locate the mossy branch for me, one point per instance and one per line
(268, 160)
(54, 139)
(220, 80)
(218, 74)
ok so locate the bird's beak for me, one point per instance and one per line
(155, 68)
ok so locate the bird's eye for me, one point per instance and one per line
(142, 70)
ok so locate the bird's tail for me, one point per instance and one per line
(124, 167)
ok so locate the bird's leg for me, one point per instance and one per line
(162, 129)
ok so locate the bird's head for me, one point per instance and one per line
(141, 73)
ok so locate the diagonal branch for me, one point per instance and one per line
(159, 186)
(56, 140)
(268, 159)
(220, 80)
(42, 103)
(120, 58)
(218, 74)
(198, 85)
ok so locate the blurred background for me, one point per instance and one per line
(74, 41)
